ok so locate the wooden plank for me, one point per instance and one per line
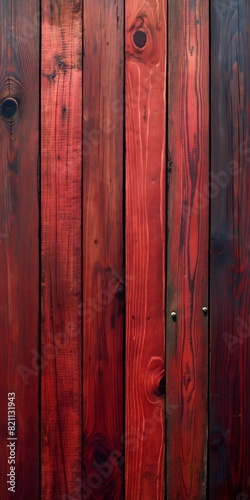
(145, 35)
(230, 233)
(103, 261)
(188, 216)
(19, 246)
(61, 201)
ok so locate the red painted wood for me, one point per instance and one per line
(61, 200)
(145, 247)
(188, 216)
(103, 261)
(103, 392)
(230, 271)
(19, 247)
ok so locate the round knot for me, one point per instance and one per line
(8, 108)
(140, 39)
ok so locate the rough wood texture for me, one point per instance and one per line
(145, 36)
(19, 253)
(103, 286)
(94, 400)
(230, 236)
(61, 201)
(187, 279)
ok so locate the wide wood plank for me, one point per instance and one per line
(103, 253)
(188, 218)
(145, 35)
(61, 202)
(19, 247)
(230, 237)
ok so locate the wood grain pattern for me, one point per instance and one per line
(61, 201)
(103, 260)
(106, 394)
(188, 216)
(230, 236)
(19, 245)
(145, 247)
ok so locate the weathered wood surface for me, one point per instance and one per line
(187, 272)
(102, 392)
(145, 37)
(19, 244)
(230, 235)
(103, 252)
(61, 208)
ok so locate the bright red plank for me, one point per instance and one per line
(145, 247)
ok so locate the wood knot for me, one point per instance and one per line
(100, 455)
(120, 292)
(217, 439)
(219, 245)
(155, 382)
(139, 39)
(8, 108)
(62, 65)
(161, 392)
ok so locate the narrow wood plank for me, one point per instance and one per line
(145, 247)
(103, 261)
(187, 280)
(19, 247)
(61, 201)
(230, 236)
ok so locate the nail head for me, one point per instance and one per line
(173, 315)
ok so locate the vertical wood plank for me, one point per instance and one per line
(188, 216)
(103, 261)
(145, 35)
(61, 202)
(19, 245)
(230, 236)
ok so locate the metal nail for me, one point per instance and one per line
(173, 315)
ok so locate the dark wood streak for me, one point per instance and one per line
(19, 252)
(230, 237)
(61, 294)
(187, 272)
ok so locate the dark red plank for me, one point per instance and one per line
(19, 246)
(187, 276)
(61, 201)
(103, 261)
(145, 247)
(230, 237)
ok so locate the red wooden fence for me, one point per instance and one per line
(124, 249)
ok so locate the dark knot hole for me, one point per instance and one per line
(8, 108)
(162, 386)
(140, 39)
